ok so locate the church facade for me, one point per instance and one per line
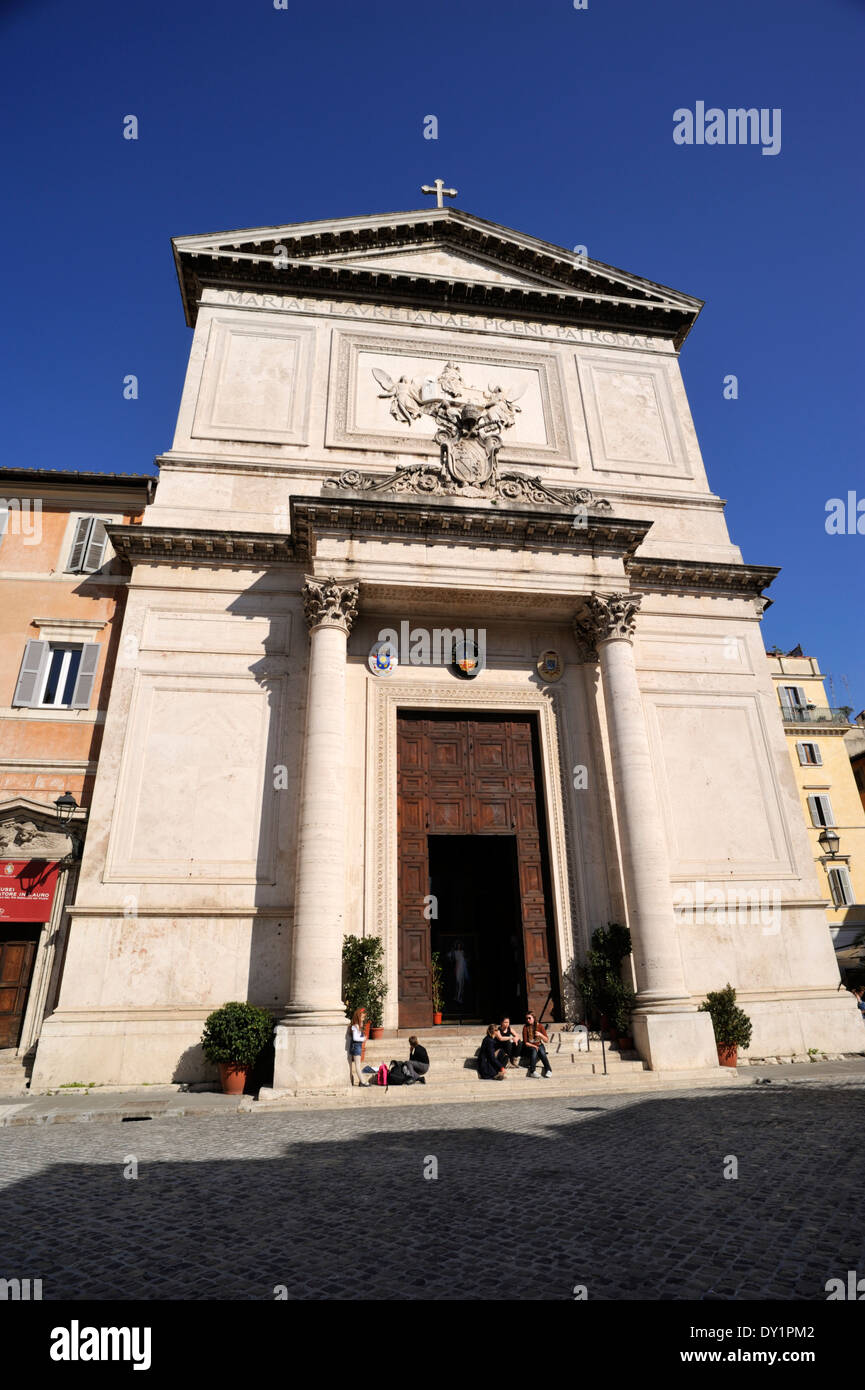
(435, 632)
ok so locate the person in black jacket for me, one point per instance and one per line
(418, 1060)
(492, 1062)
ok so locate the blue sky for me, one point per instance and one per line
(552, 120)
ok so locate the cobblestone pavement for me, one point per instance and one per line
(624, 1194)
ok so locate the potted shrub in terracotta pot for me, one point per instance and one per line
(363, 969)
(234, 1037)
(731, 1024)
(437, 989)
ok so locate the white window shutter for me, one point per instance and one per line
(84, 683)
(36, 655)
(841, 887)
(96, 543)
(800, 749)
(818, 756)
(79, 543)
(4, 521)
(815, 814)
(827, 811)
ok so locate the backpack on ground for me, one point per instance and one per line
(381, 1075)
(396, 1076)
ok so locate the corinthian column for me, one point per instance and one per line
(309, 1039)
(667, 1028)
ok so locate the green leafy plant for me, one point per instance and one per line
(363, 973)
(437, 985)
(731, 1024)
(622, 1003)
(236, 1033)
(605, 994)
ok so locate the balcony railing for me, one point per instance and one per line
(815, 714)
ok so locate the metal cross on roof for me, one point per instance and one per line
(438, 188)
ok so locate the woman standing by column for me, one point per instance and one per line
(355, 1047)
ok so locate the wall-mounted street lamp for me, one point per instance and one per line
(829, 840)
(66, 807)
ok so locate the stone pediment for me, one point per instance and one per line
(441, 257)
(436, 260)
(28, 830)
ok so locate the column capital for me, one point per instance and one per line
(329, 603)
(604, 617)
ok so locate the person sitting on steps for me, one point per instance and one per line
(492, 1061)
(508, 1042)
(534, 1037)
(418, 1060)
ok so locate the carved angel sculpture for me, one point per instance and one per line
(500, 408)
(404, 400)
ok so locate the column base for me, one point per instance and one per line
(675, 1041)
(308, 1057)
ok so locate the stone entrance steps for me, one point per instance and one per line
(452, 1054)
(14, 1073)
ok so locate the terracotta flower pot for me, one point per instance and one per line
(437, 1018)
(728, 1054)
(233, 1077)
(376, 1033)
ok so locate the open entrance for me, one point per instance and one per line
(477, 926)
(474, 878)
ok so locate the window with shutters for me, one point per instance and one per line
(57, 675)
(793, 697)
(809, 755)
(821, 810)
(4, 521)
(89, 543)
(841, 887)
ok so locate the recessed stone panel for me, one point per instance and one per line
(194, 630)
(716, 786)
(359, 410)
(209, 740)
(630, 415)
(255, 383)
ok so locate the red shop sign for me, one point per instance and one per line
(26, 889)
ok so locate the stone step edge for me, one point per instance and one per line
(587, 1085)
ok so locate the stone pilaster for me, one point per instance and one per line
(310, 1038)
(667, 1029)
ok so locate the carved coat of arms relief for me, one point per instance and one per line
(469, 420)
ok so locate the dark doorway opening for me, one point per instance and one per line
(474, 881)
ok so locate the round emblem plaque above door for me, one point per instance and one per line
(382, 659)
(467, 660)
(549, 666)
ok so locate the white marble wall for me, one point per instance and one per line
(186, 891)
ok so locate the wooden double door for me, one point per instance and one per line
(473, 868)
(17, 953)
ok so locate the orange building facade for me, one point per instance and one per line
(63, 596)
